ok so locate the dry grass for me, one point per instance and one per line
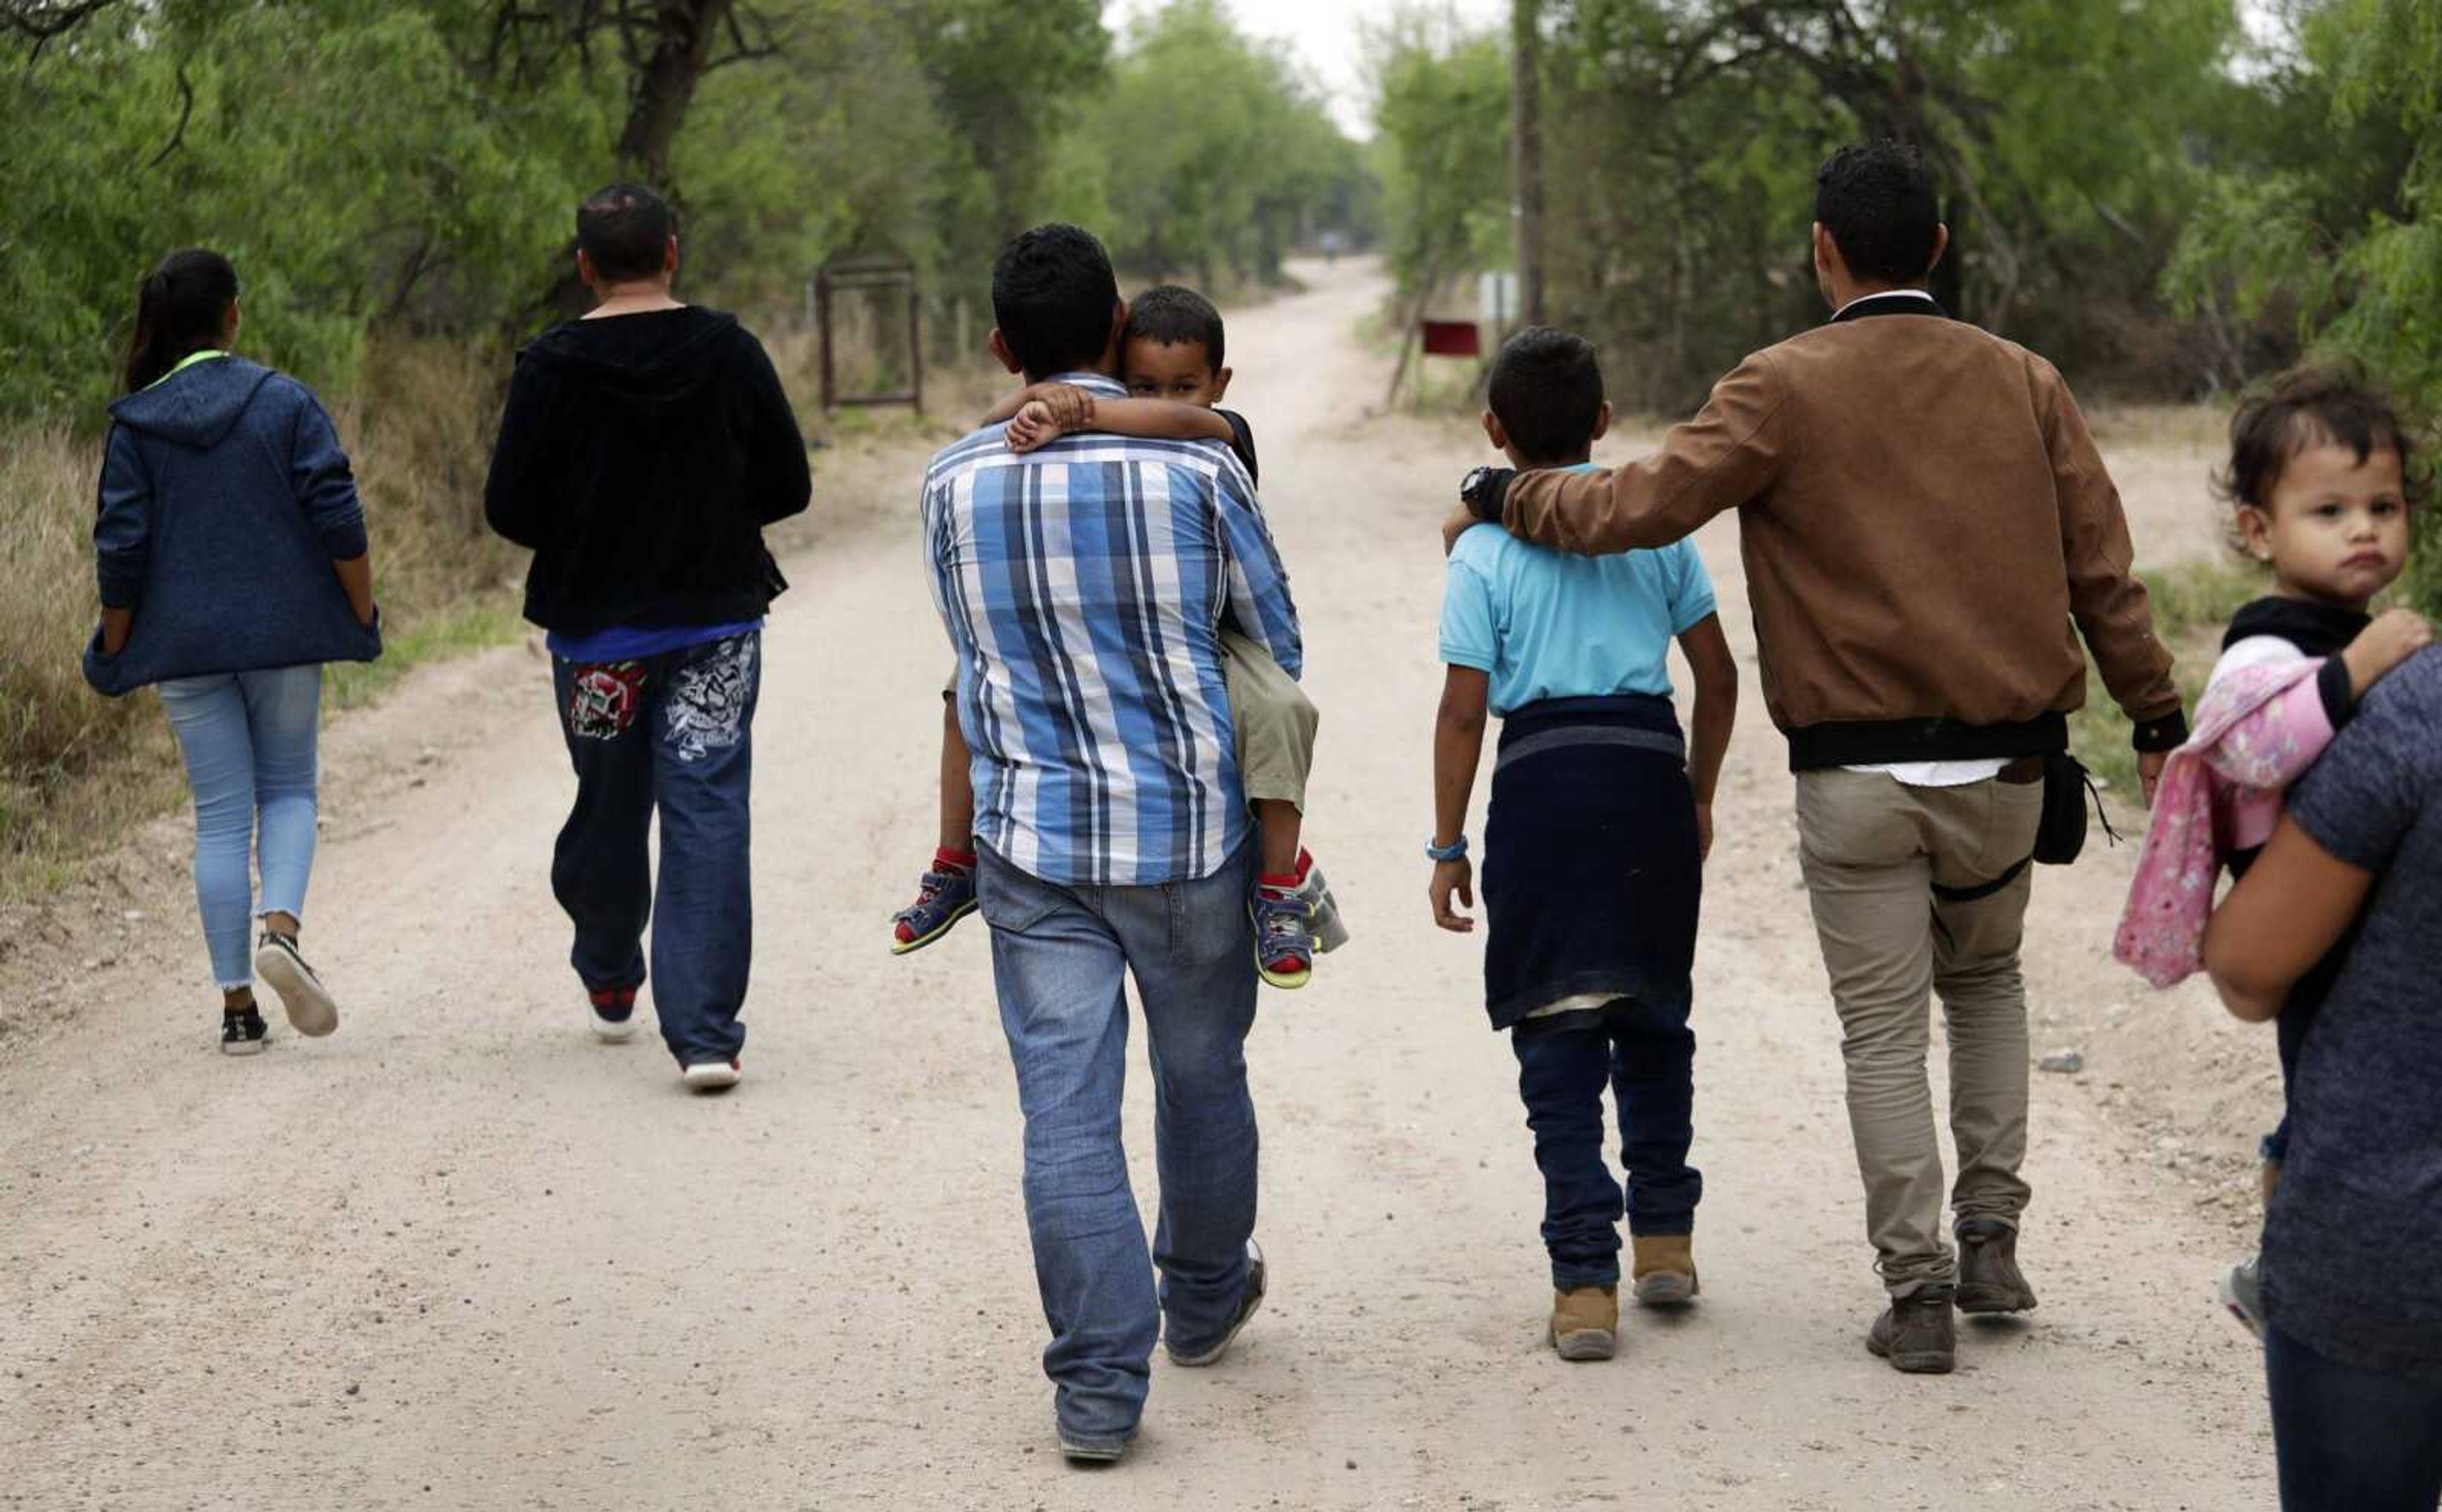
(53, 729)
(76, 769)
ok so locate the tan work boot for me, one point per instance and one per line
(1585, 1323)
(1666, 1269)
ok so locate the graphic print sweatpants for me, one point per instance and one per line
(668, 735)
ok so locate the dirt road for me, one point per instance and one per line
(462, 1256)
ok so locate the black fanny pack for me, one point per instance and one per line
(2060, 833)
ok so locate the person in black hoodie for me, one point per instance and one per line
(643, 450)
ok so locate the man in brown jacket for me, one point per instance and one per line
(1927, 530)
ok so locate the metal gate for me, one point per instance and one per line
(877, 276)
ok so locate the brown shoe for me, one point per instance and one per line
(1666, 1269)
(1916, 1334)
(1989, 1277)
(1585, 1323)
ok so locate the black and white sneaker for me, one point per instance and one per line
(301, 993)
(243, 1031)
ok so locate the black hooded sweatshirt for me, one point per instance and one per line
(641, 455)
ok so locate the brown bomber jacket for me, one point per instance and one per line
(1926, 527)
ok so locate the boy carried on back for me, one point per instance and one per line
(1172, 352)
(1601, 818)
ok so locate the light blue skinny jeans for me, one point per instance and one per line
(1062, 956)
(249, 740)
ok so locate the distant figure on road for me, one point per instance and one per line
(1924, 516)
(1594, 861)
(1086, 588)
(644, 449)
(233, 563)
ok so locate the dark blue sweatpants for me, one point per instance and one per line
(669, 735)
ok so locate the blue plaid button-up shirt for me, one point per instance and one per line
(1085, 587)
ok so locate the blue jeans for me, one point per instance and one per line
(248, 742)
(1061, 958)
(2349, 1439)
(668, 733)
(1648, 1056)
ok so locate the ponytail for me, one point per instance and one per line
(180, 309)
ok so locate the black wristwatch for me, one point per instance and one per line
(1484, 490)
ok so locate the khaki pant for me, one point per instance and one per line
(1276, 722)
(1873, 851)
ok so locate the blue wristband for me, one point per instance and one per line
(1455, 850)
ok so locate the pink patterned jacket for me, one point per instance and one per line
(2260, 725)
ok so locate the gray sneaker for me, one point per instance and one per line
(1093, 1448)
(1249, 1303)
(1330, 932)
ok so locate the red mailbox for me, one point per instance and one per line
(1453, 338)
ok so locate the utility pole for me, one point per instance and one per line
(1526, 152)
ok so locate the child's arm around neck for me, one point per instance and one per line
(1045, 412)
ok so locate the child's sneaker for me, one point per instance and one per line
(1322, 908)
(2242, 1297)
(1284, 934)
(614, 1011)
(243, 1031)
(712, 1076)
(301, 993)
(946, 895)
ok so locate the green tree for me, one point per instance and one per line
(1442, 114)
(1216, 153)
(2331, 218)
(217, 124)
(2061, 129)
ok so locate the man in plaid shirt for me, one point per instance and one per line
(1085, 586)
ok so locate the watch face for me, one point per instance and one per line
(1473, 481)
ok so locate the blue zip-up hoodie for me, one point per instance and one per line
(225, 499)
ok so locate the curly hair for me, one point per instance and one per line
(2318, 403)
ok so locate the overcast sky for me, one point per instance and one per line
(1326, 36)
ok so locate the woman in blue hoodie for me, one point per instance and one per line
(231, 551)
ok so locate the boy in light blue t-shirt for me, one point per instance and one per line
(1601, 816)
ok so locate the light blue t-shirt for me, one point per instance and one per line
(1547, 625)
